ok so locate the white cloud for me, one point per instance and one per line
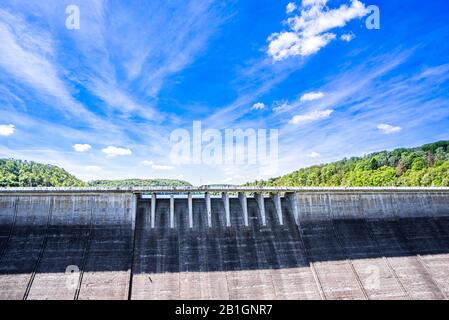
(388, 129)
(161, 167)
(7, 130)
(348, 37)
(279, 106)
(93, 168)
(311, 96)
(309, 31)
(314, 155)
(116, 151)
(290, 7)
(147, 163)
(311, 116)
(258, 106)
(82, 147)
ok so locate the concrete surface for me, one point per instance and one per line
(343, 244)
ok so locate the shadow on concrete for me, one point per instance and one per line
(38, 249)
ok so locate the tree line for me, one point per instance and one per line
(425, 166)
(18, 173)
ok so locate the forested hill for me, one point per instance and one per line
(424, 166)
(18, 173)
(138, 183)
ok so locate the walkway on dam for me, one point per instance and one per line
(106, 246)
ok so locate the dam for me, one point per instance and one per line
(224, 243)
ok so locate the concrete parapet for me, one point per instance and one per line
(371, 205)
(103, 209)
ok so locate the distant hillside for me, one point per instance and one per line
(423, 166)
(138, 183)
(18, 173)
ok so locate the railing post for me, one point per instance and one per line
(172, 211)
(190, 205)
(244, 204)
(153, 210)
(225, 197)
(208, 209)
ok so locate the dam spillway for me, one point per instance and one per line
(224, 243)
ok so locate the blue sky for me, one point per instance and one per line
(102, 100)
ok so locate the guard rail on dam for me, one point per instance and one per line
(224, 243)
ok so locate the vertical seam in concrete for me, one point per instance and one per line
(387, 262)
(86, 250)
(11, 230)
(311, 265)
(420, 260)
(133, 247)
(41, 253)
(274, 287)
(435, 225)
(426, 270)
(317, 281)
(348, 260)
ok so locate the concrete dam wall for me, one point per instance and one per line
(233, 244)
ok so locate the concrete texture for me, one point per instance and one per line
(333, 244)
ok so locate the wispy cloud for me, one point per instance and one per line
(93, 168)
(311, 96)
(112, 151)
(7, 130)
(314, 155)
(82, 147)
(162, 167)
(291, 6)
(311, 116)
(388, 129)
(258, 106)
(348, 37)
(25, 54)
(147, 163)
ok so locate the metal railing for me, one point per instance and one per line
(202, 189)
